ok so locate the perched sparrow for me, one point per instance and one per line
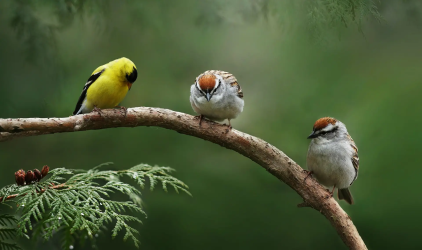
(333, 156)
(216, 95)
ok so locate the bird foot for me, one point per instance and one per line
(331, 193)
(98, 110)
(309, 174)
(123, 109)
(200, 117)
(229, 127)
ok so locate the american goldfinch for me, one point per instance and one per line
(107, 86)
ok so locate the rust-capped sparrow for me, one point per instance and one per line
(216, 95)
(333, 156)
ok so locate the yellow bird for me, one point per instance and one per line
(107, 86)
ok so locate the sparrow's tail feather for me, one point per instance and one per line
(344, 194)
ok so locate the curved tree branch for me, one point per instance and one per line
(261, 152)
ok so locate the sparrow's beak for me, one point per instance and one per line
(208, 96)
(313, 135)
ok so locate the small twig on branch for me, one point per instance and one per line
(41, 191)
(261, 152)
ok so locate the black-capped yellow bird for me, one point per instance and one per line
(107, 86)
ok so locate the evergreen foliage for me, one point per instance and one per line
(7, 232)
(37, 25)
(333, 16)
(77, 203)
(321, 18)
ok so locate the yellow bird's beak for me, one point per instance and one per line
(129, 85)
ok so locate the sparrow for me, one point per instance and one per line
(216, 95)
(107, 86)
(333, 157)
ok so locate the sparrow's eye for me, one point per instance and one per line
(330, 131)
(219, 84)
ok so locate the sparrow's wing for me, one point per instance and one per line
(355, 157)
(90, 81)
(239, 89)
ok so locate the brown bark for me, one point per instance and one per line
(261, 152)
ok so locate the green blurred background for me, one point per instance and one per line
(295, 65)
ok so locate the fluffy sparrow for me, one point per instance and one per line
(333, 157)
(216, 95)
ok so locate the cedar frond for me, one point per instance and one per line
(77, 203)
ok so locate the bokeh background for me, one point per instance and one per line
(296, 62)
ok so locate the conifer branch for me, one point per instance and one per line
(8, 232)
(5, 198)
(81, 204)
(261, 152)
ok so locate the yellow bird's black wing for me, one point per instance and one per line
(90, 81)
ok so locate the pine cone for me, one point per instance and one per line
(38, 175)
(20, 177)
(44, 171)
(29, 177)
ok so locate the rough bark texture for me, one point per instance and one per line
(261, 152)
